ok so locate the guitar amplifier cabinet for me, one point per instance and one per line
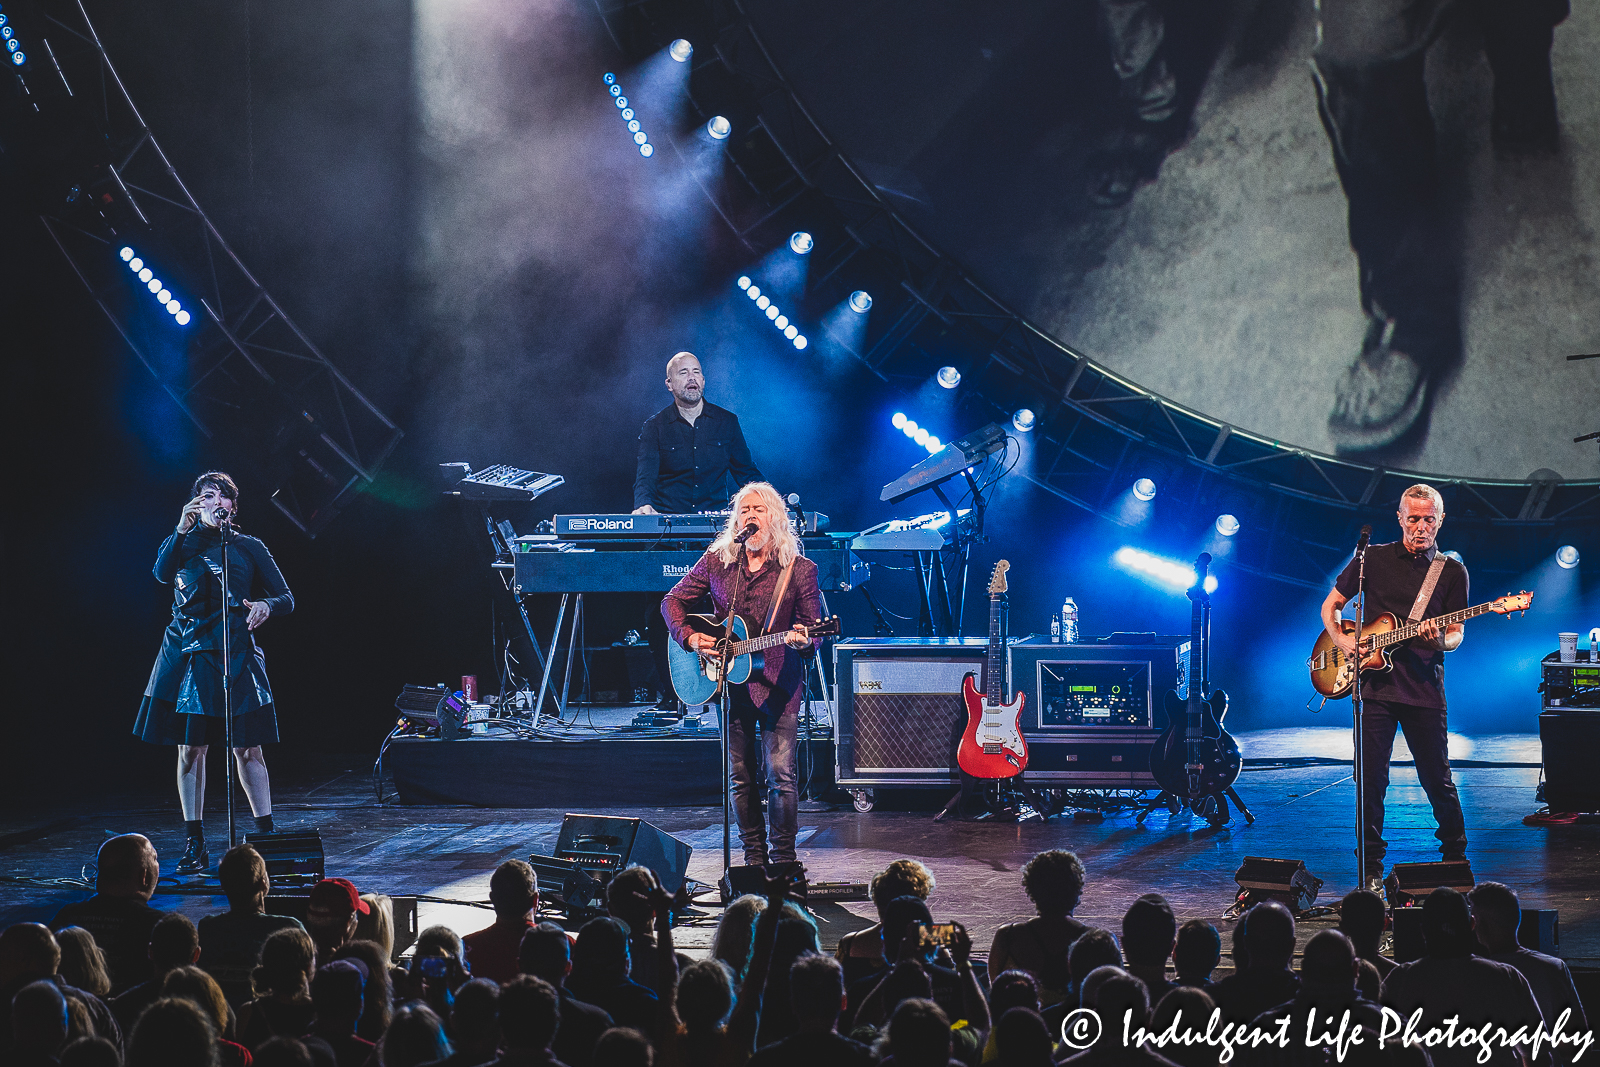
(900, 712)
(1571, 743)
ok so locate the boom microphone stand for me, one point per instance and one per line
(1358, 730)
(225, 529)
(724, 708)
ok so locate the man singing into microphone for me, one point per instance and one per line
(183, 701)
(770, 585)
(1411, 695)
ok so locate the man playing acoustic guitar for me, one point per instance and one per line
(1411, 695)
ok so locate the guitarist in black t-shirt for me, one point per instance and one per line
(1411, 695)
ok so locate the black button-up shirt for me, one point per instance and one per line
(1394, 577)
(684, 469)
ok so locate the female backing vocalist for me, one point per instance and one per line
(183, 702)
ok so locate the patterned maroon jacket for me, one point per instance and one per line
(780, 684)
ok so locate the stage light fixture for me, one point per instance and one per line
(909, 427)
(635, 130)
(8, 33)
(898, 420)
(763, 302)
(933, 444)
(921, 436)
(800, 343)
(753, 292)
(1023, 420)
(1167, 572)
(1567, 556)
(791, 331)
(681, 50)
(719, 128)
(949, 377)
(169, 303)
(800, 242)
(774, 314)
(1144, 489)
(743, 282)
(861, 301)
(1227, 525)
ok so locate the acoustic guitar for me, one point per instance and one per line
(1333, 673)
(992, 745)
(695, 674)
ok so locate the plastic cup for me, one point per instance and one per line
(1569, 647)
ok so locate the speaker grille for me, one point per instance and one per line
(907, 731)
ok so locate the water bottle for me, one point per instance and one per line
(1069, 621)
(1055, 629)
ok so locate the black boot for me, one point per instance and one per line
(195, 857)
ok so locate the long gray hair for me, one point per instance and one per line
(784, 543)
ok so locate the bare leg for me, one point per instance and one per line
(252, 766)
(192, 780)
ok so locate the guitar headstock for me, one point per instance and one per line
(1512, 602)
(997, 580)
(828, 627)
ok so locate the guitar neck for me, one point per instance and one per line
(1409, 630)
(996, 655)
(758, 644)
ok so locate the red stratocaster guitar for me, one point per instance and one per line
(992, 745)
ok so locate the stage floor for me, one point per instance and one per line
(1303, 808)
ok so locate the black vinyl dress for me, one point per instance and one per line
(183, 702)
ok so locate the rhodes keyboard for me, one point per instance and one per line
(704, 526)
(635, 567)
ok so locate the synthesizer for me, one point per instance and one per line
(499, 482)
(634, 567)
(705, 525)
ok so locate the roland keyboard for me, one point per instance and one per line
(703, 526)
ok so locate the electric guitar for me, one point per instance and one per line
(695, 674)
(992, 745)
(1333, 673)
(1195, 757)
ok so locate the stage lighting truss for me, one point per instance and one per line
(15, 55)
(764, 304)
(252, 381)
(918, 434)
(625, 109)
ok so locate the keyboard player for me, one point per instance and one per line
(692, 457)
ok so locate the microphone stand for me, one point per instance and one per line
(1358, 730)
(225, 529)
(724, 705)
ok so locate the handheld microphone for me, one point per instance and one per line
(749, 532)
(1366, 535)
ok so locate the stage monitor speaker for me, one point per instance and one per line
(1286, 881)
(1409, 884)
(294, 858)
(900, 712)
(606, 844)
(751, 879)
(1571, 743)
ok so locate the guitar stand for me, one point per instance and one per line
(1220, 815)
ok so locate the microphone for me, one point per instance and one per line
(222, 515)
(749, 532)
(1366, 535)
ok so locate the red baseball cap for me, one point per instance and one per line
(337, 895)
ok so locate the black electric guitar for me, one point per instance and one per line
(1195, 759)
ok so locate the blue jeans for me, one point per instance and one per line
(1425, 731)
(764, 744)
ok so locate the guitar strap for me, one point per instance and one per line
(1426, 592)
(777, 598)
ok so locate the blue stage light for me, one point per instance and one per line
(647, 150)
(609, 78)
(169, 303)
(719, 128)
(949, 377)
(126, 254)
(1567, 556)
(754, 292)
(861, 301)
(681, 50)
(1144, 489)
(898, 420)
(909, 427)
(744, 281)
(635, 128)
(1023, 420)
(762, 302)
(1227, 525)
(1166, 572)
(933, 444)
(800, 242)
(921, 436)
(800, 343)
(791, 331)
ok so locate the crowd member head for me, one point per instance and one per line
(1329, 968)
(1447, 923)
(415, 1036)
(338, 994)
(332, 914)
(600, 955)
(377, 922)
(91, 1052)
(174, 942)
(1363, 918)
(628, 899)
(288, 959)
(243, 874)
(82, 963)
(1269, 940)
(529, 1012)
(899, 917)
(198, 987)
(736, 931)
(816, 992)
(172, 1032)
(514, 891)
(1196, 952)
(378, 1003)
(1095, 948)
(906, 980)
(474, 1020)
(1112, 992)
(901, 878)
(27, 951)
(919, 1034)
(282, 1051)
(127, 867)
(1054, 880)
(623, 1046)
(1022, 1039)
(705, 996)
(437, 941)
(546, 953)
(1196, 1005)
(1148, 931)
(39, 1022)
(1496, 912)
(1013, 989)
